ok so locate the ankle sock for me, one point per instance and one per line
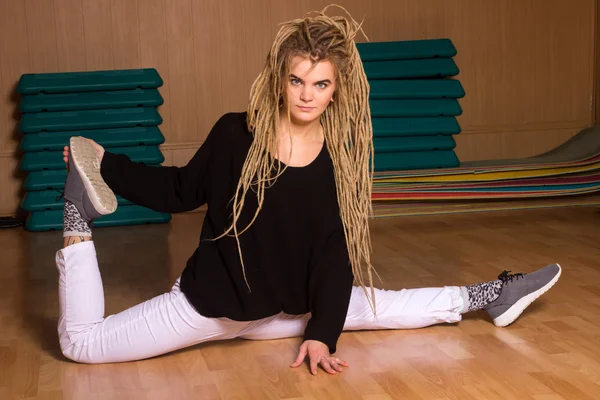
(477, 296)
(73, 222)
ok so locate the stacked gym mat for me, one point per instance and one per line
(117, 109)
(414, 103)
(566, 176)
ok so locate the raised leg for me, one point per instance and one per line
(160, 325)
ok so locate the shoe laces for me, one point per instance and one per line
(506, 277)
(60, 197)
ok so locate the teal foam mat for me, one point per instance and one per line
(53, 179)
(419, 143)
(126, 215)
(412, 160)
(44, 180)
(403, 69)
(415, 108)
(416, 89)
(89, 119)
(54, 159)
(406, 49)
(52, 200)
(414, 126)
(116, 137)
(89, 81)
(91, 100)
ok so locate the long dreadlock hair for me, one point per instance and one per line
(346, 126)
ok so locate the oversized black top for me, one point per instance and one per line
(295, 253)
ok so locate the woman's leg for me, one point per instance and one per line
(504, 299)
(160, 325)
(163, 324)
(403, 309)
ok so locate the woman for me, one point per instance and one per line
(288, 187)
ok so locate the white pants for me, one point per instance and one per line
(168, 322)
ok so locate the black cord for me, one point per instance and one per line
(10, 222)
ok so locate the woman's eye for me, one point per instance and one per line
(295, 81)
(321, 85)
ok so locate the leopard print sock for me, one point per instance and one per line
(73, 223)
(482, 294)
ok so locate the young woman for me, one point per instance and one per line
(288, 185)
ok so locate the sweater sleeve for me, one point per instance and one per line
(164, 189)
(330, 290)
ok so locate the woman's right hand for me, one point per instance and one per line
(99, 151)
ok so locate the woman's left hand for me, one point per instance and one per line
(319, 354)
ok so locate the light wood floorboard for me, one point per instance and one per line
(551, 352)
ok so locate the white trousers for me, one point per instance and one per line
(168, 322)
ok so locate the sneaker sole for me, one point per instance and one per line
(85, 160)
(517, 309)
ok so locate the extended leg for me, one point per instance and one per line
(403, 309)
(504, 299)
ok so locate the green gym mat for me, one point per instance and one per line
(127, 215)
(91, 100)
(52, 200)
(116, 137)
(89, 119)
(416, 89)
(419, 143)
(414, 126)
(41, 160)
(406, 49)
(402, 69)
(53, 179)
(415, 160)
(415, 108)
(89, 81)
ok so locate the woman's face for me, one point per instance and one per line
(309, 91)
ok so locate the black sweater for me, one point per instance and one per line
(295, 253)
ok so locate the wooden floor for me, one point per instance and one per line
(551, 352)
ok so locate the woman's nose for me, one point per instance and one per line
(306, 94)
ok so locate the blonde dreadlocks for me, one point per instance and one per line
(346, 125)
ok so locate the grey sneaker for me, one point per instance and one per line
(85, 187)
(519, 291)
